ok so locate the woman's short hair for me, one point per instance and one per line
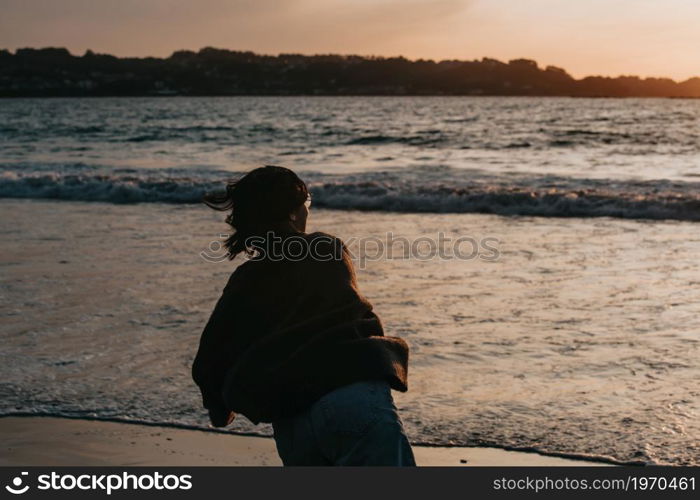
(260, 202)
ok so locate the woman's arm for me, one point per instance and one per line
(210, 363)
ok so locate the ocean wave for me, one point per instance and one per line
(413, 140)
(517, 200)
(436, 190)
(105, 188)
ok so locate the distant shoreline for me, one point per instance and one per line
(55, 72)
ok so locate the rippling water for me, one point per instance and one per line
(603, 138)
(582, 338)
(635, 158)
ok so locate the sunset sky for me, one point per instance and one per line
(610, 37)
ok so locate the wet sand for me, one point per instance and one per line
(51, 441)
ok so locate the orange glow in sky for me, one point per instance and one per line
(609, 37)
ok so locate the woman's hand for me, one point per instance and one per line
(221, 417)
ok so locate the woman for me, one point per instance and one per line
(292, 342)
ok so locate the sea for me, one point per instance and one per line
(570, 327)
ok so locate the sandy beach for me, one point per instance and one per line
(51, 441)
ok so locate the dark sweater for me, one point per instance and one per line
(284, 333)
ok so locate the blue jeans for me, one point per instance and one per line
(356, 424)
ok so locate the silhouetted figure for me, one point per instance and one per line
(291, 341)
